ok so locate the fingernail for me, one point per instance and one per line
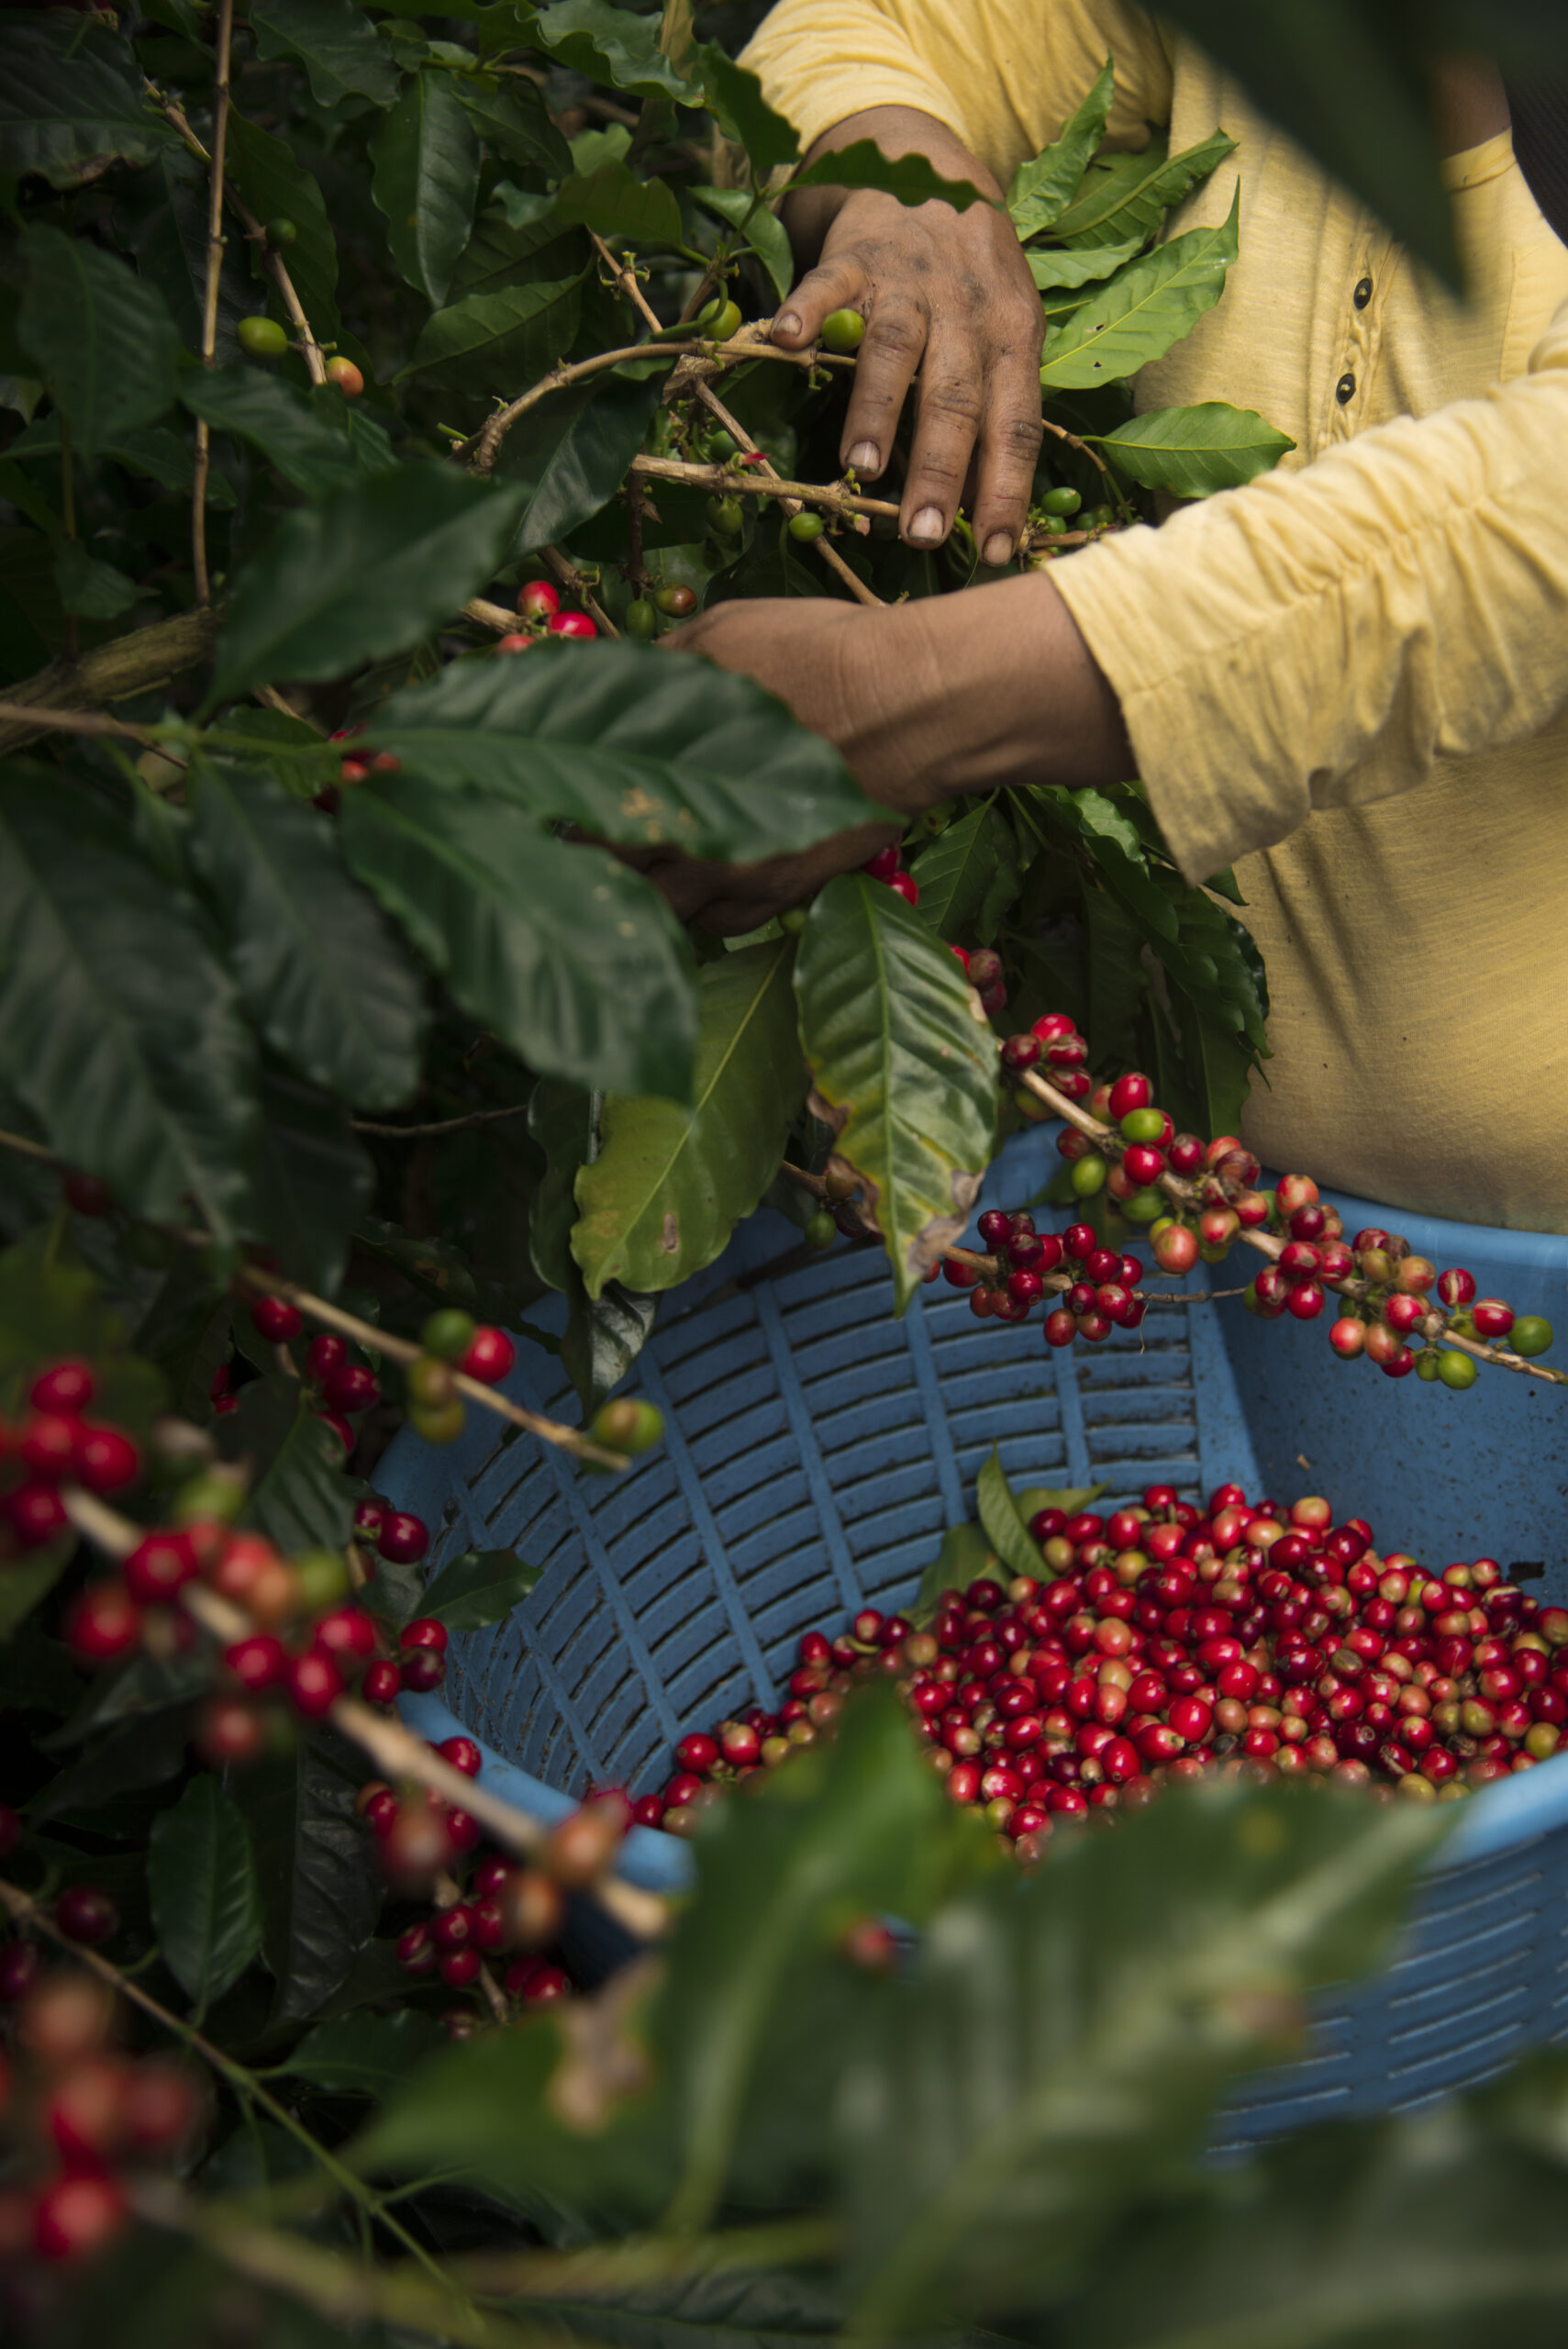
(928, 528)
(788, 323)
(866, 457)
(998, 550)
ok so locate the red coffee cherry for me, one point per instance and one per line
(160, 1566)
(36, 1514)
(276, 1319)
(67, 1387)
(538, 600)
(106, 1460)
(85, 1194)
(323, 1353)
(383, 1683)
(351, 1387)
(462, 1753)
(86, 1914)
(229, 1732)
(402, 1541)
(104, 1624)
(1492, 1318)
(571, 624)
(347, 376)
(314, 1684)
(78, 2215)
(489, 1357)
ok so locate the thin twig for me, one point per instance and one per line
(310, 349)
(209, 296)
(395, 1751)
(1434, 1325)
(625, 276)
(441, 1125)
(725, 481)
(828, 552)
(75, 721)
(576, 584)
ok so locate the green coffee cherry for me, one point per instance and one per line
(1087, 1175)
(1143, 1125)
(727, 516)
(431, 1384)
(676, 603)
(843, 330)
(261, 338)
(806, 528)
(1529, 1335)
(821, 1231)
(1061, 501)
(718, 446)
(441, 1423)
(1097, 517)
(719, 321)
(642, 619)
(793, 919)
(1144, 1206)
(281, 232)
(323, 1580)
(216, 1492)
(1456, 1370)
(626, 1425)
(448, 1334)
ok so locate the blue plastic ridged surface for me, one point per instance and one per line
(816, 1451)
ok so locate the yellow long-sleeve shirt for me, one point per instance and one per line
(1352, 677)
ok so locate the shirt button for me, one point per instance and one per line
(1362, 294)
(1345, 389)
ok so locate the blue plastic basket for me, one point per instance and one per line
(816, 1451)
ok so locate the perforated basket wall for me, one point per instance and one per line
(816, 1449)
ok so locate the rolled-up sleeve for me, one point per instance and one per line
(1001, 74)
(1323, 638)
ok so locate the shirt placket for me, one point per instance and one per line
(1352, 392)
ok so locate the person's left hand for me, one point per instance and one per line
(835, 665)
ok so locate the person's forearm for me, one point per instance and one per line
(898, 130)
(995, 689)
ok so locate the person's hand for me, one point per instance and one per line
(945, 293)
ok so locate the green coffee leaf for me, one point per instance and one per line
(609, 45)
(968, 876)
(901, 1070)
(321, 1886)
(206, 1902)
(109, 992)
(605, 1334)
(1054, 267)
(299, 1497)
(561, 1127)
(571, 959)
(614, 203)
(101, 337)
(669, 1184)
(1116, 983)
(365, 574)
(588, 464)
(94, 590)
(1129, 195)
(637, 747)
(965, 1553)
(911, 178)
(320, 970)
(364, 2055)
(514, 124)
(1192, 452)
(71, 99)
(1007, 1528)
(1034, 2009)
(267, 411)
(1142, 310)
(735, 95)
(491, 342)
(336, 43)
(426, 158)
(482, 1587)
(311, 1180)
(1041, 189)
(761, 227)
(272, 181)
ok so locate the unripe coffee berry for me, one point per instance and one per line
(261, 338)
(347, 376)
(806, 526)
(1530, 1335)
(627, 1424)
(843, 330)
(676, 603)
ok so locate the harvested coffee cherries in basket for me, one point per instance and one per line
(1165, 1642)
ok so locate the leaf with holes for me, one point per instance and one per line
(426, 158)
(206, 1902)
(573, 960)
(482, 1587)
(1142, 310)
(633, 746)
(366, 573)
(321, 970)
(109, 993)
(1192, 452)
(1042, 187)
(336, 43)
(71, 100)
(669, 1184)
(100, 336)
(903, 1071)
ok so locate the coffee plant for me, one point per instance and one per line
(378, 391)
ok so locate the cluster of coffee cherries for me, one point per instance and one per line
(452, 1344)
(1097, 1285)
(352, 769)
(1163, 1642)
(58, 1442)
(487, 1906)
(540, 604)
(86, 2117)
(1396, 1295)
